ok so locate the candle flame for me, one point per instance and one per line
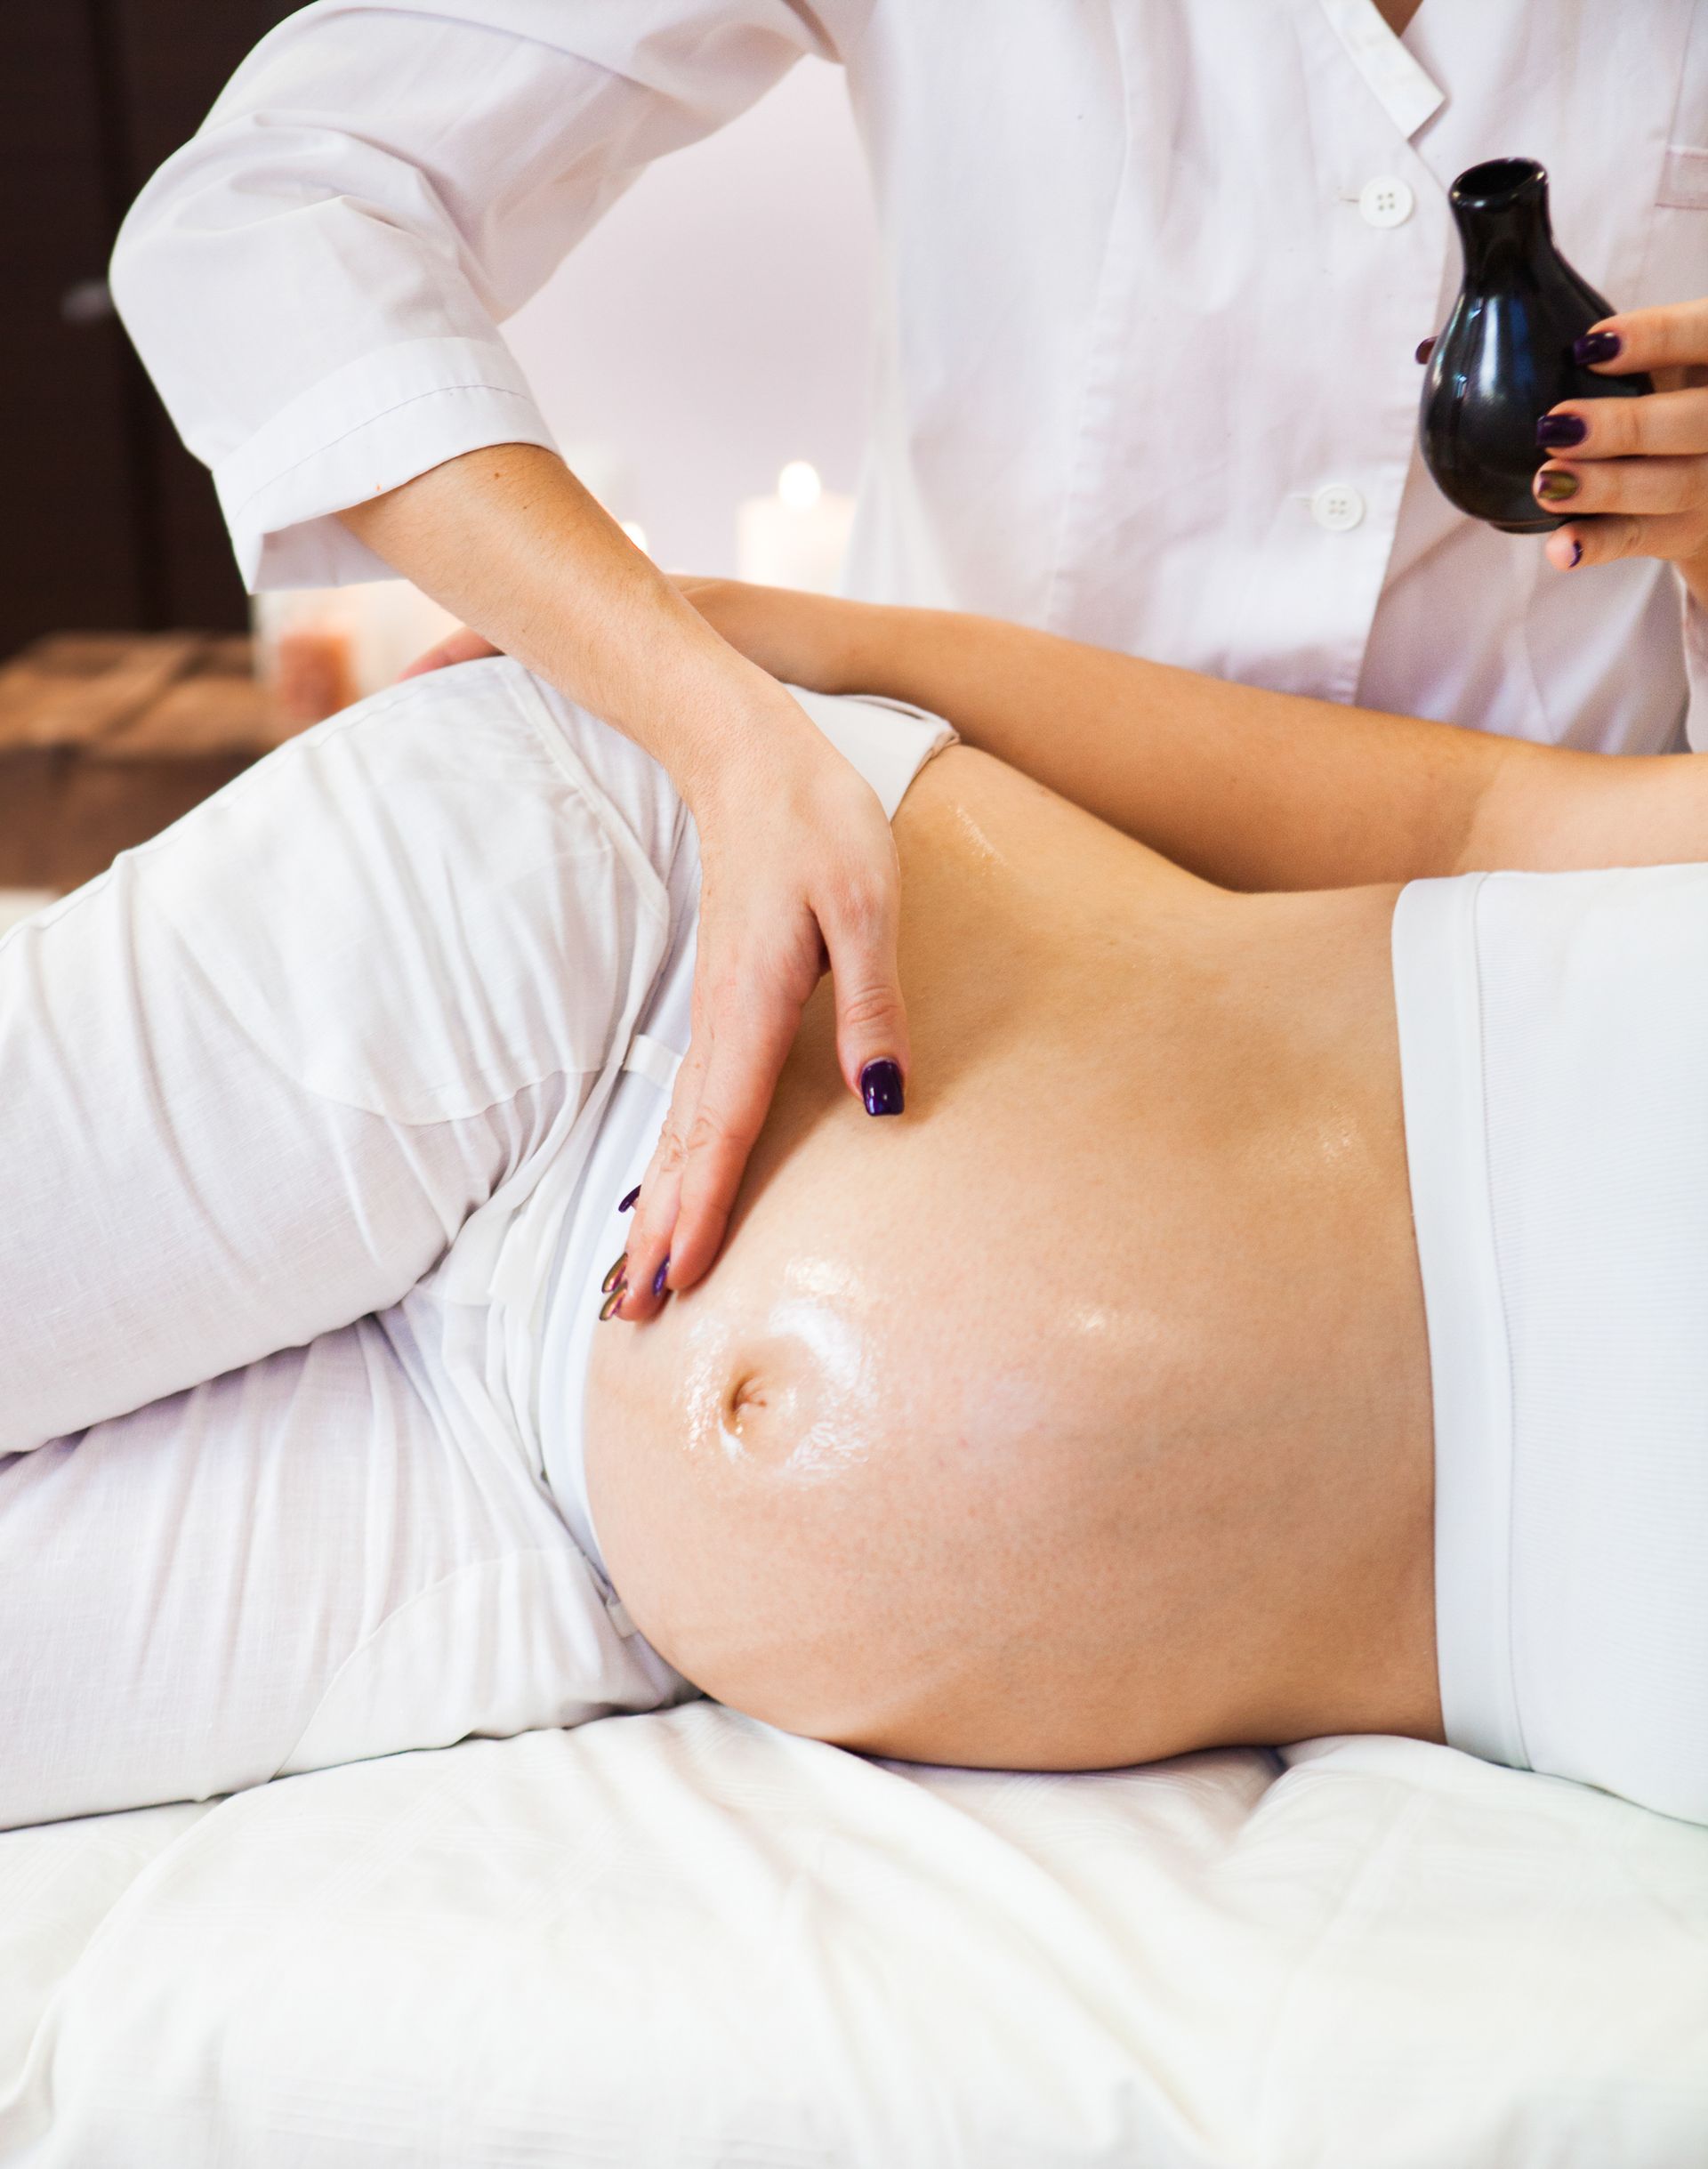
(799, 486)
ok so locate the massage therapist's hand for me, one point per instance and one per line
(798, 872)
(799, 866)
(1634, 474)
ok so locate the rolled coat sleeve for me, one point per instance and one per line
(316, 280)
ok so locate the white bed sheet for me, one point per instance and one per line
(683, 1940)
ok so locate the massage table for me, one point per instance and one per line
(685, 1940)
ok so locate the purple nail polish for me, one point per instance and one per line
(1577, 551)
(659, 1278)
(881, 1087)
(1596, 346)
(614, 1275)
(629, 1200)
(1425, 348)
(1555, 432)
(612, 1304)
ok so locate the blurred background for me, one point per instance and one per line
(711, 334)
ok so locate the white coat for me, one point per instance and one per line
(1155, 270)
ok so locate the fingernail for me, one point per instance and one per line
(1577, 553)
(1556, 430)
(1425, 348)
(1555, 489)
(881, 1087)
(659, 1278)
(614, 1276)
(629, 1200)
(1596, 346)
(613, 1302)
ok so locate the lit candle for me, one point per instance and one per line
(797, 537)
(318, 649)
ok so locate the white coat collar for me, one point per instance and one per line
(1406, 92)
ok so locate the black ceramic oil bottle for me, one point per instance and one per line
(1505, 356)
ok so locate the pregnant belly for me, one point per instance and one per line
(1005, 1433)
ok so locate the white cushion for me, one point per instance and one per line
(684, 1939)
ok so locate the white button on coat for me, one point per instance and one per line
(1337, 506)
(1385, 201)
(1097, 387)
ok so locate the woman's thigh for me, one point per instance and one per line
(259, 1075)
(301, 1562)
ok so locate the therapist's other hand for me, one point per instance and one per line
(798, 874)
(1634, 474)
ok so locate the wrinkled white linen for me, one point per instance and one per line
(1139, 312)
(279, 1088)
(316, 1558)
(683, 1938)
(261, 1071)
(305, 1101)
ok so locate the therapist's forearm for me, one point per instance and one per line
(509, 541)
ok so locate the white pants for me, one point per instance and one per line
(1554, 1050)
(270, 1492)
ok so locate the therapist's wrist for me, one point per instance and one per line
(726, 731)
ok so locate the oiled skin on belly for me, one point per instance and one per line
(1082, 1414)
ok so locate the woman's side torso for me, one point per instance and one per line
(1083, 1415)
